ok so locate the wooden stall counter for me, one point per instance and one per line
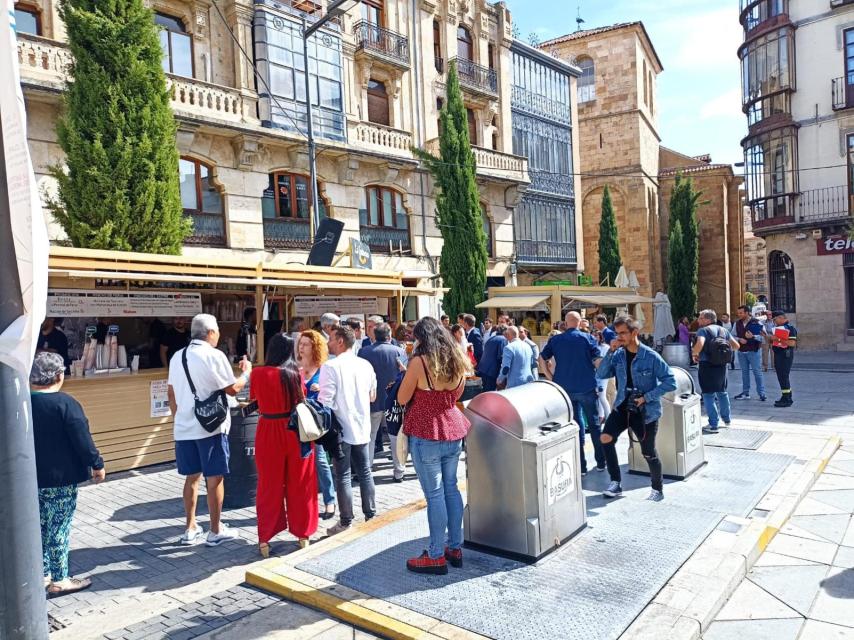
(119, 408)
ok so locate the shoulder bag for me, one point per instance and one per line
(210, 412)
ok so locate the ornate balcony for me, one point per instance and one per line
(477, 78)
(842, 93)
(383, 44)
(493, 164)
(386, 239)
(44, 65)
(546, 253)
(385, 140)
(208, 229)
(827, 205)
(286, 233)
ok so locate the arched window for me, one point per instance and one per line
(28, 19)
(487, 230)
(377, 102)
(202, 202)
(781, 271)
(587, 81)
(384, 221)
(285, 209)
(465, 44)
(177, 45)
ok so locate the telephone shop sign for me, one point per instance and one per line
(835, 245)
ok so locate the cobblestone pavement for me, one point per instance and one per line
(802, 587)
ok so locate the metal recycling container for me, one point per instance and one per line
(242, 481)
(676, 354)
(522, 471)
(680, 432)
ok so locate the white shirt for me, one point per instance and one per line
(346, 386)
(211, 372)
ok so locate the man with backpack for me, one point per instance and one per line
(713, 350)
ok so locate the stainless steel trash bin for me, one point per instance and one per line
(680, 432)
(523, 480)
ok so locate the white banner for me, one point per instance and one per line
(29, 231)
(83, 303)
(314, 306)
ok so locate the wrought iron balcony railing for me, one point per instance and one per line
(842, 93)
(551, 252)
(385, 239)
(824, 205)
(208, 229)
(286, 233)
(387, 43)
(477, 77)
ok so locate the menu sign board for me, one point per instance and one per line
(73, 303)
(318, 305)
(835, 245)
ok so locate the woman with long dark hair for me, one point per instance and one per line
(434, 381)
(287, 483)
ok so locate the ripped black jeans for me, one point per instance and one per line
(620, 420)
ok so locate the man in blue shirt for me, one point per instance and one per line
(489, 364)
(749, 333)
(601, 324)
(517, 362)
(575, 353)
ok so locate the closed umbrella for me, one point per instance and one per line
(639, 316)
(662, 318)
(622, 279)
(633, 280)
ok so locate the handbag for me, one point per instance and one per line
(213, 410)
(394, 411)
(310, 422)
(402, 446)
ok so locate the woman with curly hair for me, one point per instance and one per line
(434, 381)
(312, 352)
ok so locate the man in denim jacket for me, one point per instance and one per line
(642, 379)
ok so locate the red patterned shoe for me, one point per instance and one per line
(425, 564)
(454, 557)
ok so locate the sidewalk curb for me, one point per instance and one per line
(689, 602)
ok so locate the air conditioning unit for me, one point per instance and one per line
(816, 234)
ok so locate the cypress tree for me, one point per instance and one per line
(680, 304)
(464, 258)
(119, 187)
(684, 203)
(609, 243)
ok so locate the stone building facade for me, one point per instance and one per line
(755, 260)
(378, 85)
(620, 146)
(798, 95)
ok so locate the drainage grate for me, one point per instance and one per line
(54, 624)
(737, 439)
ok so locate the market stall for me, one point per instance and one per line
(110, 305)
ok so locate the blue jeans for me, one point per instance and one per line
(324, 475)
(436, 465)
(748, 360)
(712, 410)
(585, 408)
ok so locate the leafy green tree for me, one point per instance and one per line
(684, 202)
(678, 292)
(464, 258)
(749, 299)
(119, 186)
(609, 242)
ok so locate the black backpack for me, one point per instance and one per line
(718, 349)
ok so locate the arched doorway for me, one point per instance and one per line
(781, 276)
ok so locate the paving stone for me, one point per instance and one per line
(830, 528)
(833, 481)
(842, 499)
(815, 630)
(833, 603)
(751, 602)
(797, 587)
(754, 630)
(810, 506)
(845, 559)
(770, 559)
(814, 550)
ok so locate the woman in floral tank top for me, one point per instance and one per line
(433, 383)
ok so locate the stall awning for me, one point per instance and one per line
(611, 299)
(513, 302)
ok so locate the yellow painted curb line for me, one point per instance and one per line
(336, 607)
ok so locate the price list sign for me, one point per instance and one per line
(73, 303)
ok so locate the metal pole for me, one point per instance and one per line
(312, 155)
(23, 611)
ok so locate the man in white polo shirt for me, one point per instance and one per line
(198, 451)
(348, 385)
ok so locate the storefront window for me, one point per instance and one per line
(176, 44)
(771, 174)
(781, 271)
(766, 71)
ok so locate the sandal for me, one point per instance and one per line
(68, 586)
(264, 550)
(303, 543)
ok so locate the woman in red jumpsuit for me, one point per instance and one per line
(287, 481)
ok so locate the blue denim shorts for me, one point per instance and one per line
(208, 456)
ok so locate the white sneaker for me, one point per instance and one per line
(225, 534)
(192, 536)
(614, 489)
(655, 496)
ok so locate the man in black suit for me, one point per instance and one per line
(489, 365)
(475, 339)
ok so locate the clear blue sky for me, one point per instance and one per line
(699, 100)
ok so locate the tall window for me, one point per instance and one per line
(587, 81)
(487, 230)
(465, 44)
(495, 133)
(781, 271)
(377, 102)
(385, 208)
(28, 19)
(176, 44)
(851, 167)
(472, 122)
(202, 202)
(372, 11)
(288, 195)
(491, 55)
(437, 46)
(645, 81)
(651, 92)
(439, 104)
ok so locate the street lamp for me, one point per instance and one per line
(335, 9)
